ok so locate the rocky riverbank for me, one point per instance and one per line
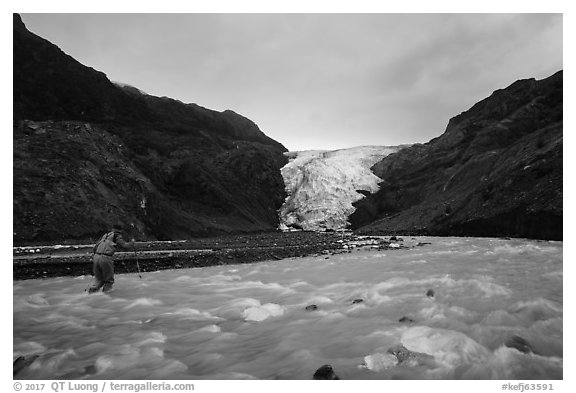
(76, 260)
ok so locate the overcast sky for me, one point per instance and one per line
(317, 81)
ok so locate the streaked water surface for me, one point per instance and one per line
(250, 321)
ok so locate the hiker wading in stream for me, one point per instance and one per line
(103, 259)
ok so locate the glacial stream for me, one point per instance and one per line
(251, 321)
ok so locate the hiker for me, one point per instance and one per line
(103, 261)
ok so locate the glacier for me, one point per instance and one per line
(322, 185)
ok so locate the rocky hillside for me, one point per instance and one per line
(496, 171)
(89, 153)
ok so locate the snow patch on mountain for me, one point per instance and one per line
(322, 185)
(129, 87)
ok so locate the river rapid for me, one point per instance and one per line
(250, 321)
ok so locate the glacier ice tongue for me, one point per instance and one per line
(322, 185)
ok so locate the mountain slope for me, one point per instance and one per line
(496, 171)
(89, 153)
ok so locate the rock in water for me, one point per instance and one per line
(410, 358)
(356, 301)
(401, 352)
(406, 320)
(379, 361)
(260, 313)
(430, 293)
(21, 363)
(520, 344)
(325, 372)
(312, 307)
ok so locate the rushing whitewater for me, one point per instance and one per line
(250, 321)
(322, 185)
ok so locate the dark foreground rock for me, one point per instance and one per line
(325, 372)
(21, 363)
(410, 358)
(520, 344)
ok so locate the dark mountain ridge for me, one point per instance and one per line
(89, 153)
(496, 171)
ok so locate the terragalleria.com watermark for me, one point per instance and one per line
(105, 386)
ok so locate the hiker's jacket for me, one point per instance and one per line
(108, 243)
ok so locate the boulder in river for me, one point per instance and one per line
(401, 352)
(265, 311)
(520, 344)
(379, 361)
(410, 358)
(22, 362)
(325, 372)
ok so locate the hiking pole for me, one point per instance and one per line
(90, 283)
(137, 264)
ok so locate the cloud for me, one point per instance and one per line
(318, 80)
